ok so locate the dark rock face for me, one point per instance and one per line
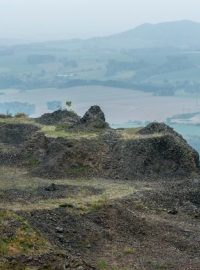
(94, 117)
(156, 156)
(50, 260)
(12, 139)
(110, 156)
(165, 153)
(156, 127)
(52, 187)
(59, 157)
(16, 134)
(92, 114)
(174, 138)
(59, 117)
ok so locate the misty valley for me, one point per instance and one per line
(87, 72)
(99, 151)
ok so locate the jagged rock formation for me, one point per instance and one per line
(111, 156)
(94, 118)
(170, 134)
(156, 127)
(59, 117)
(163, 156)
(156, 150)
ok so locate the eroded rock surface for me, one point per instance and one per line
(94, 118)
(156, 150)
(59, 117)
(111, 156)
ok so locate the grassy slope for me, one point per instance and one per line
(57, 131)
(20, 180)
(163, 236)
(92, 64)
(27, 241)
(23, 240)
(121, 253)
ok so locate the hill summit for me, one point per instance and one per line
(64, 144)
(74, 195)
(183, 34)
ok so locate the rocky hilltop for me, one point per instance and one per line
(76, 194)
(87, 146)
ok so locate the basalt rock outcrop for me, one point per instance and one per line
(12, 139)
(15, 134)
(94, 118)
(156, 151)
(174, 138)
(59, 117)
(159, 128)
(111, 156)
(161, 156)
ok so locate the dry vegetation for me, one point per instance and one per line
(27, 241)
(112, 224)
(23, 239)
(144, 236)
(132, 134)
(19, 179)
(55, 132)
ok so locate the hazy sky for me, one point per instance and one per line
(61, 19)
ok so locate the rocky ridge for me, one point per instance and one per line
(156, 150)
(101, 198)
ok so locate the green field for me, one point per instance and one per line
(163, 71)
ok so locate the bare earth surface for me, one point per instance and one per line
(104, 224)
(77, 195)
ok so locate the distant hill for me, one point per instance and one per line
(161, 58)
(178, 34)
(12, 42)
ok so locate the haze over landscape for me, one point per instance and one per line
(99, 134)
(157, 58)
(36, 20)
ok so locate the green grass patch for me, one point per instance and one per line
(79, 171)
(11, 177)
(56, 132)
(129, 251)
(18, 238)
(102, 265)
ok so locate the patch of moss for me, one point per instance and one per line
(99, 203)
(102, 265)
(18, 238)
(31, 161)
(61, 131)
(79, 170)
(129, 251)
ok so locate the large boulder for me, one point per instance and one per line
(94, 118)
